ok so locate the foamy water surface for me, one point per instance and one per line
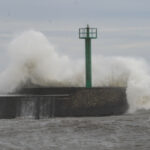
(105, 133)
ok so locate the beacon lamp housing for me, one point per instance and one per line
(85, 33)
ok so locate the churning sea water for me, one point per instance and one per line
(126, 132)
(34, 59)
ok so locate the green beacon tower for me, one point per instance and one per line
(88, 34)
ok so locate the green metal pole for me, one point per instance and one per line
(88, 60)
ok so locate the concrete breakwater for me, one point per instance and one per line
(63, 102)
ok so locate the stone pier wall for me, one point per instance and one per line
(64, 102)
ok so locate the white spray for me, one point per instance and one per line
(34, 59)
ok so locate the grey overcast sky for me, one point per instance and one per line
(123, 25)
